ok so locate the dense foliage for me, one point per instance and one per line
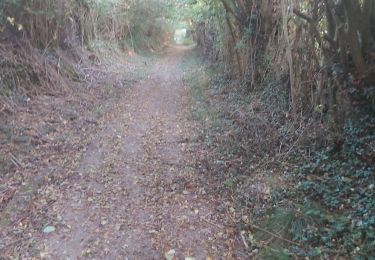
(309, 43)
(344, 183)
(63, 23)
(311, 65)
(32, 32)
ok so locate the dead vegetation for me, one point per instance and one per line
(52, 124)
(287, 126)
(290, 109)
(54, 93)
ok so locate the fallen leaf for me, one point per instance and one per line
(170, 254)
(118, 227)
(49, 229)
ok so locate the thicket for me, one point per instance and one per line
(48, 23)
(33, 31)
(302, 77)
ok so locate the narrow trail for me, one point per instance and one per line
(136, 194)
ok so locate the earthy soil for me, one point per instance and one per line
(137, 192)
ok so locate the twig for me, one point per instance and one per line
(58, 66)
(131, 36)
(274, 235)
(15, 161)
(302, 15)
(294, 144)
(244, 241)
(213, 224)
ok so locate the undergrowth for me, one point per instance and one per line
(331, 209)
(316, 206)
(341, 179)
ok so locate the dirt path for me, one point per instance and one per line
(136, 194)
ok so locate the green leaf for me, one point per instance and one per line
(49, 229)
(346, 179)
(315, 252)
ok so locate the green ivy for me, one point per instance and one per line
(342, 180)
